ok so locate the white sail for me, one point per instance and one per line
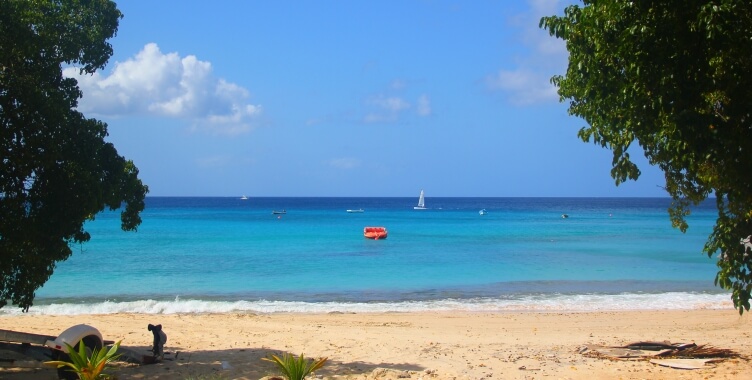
(421, 202)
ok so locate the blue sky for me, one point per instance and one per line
(337, 98)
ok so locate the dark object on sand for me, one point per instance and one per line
(148, 359)
(649, 350)
(160, 338)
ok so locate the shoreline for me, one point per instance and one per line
(547, 302)
(436, 345)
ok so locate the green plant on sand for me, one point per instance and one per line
(89, 367)
(296, 368)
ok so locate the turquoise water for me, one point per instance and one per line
(231, 255)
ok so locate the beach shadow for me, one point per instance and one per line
(239, 363)
(244, 363)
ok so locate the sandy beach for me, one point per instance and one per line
(445, 345)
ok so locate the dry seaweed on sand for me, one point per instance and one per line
(706, 351)
(647, 350)
(686, 350)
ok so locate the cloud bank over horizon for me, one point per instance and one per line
(166, 85)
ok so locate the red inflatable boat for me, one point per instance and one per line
(374, 233)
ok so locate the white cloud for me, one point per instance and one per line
(387, 109)
(523, 86)
(529, 82)
(390, 108)
(374, 117)
(155, 83)
(392, 104)
(539, 38)
(212, 162)
(345, 163)
(398, 85)
(424, 105)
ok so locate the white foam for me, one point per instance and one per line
(663, 301)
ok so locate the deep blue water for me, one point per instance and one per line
(230, 255)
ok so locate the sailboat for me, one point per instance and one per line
(421, 202)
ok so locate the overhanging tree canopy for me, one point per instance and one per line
(56, 170)
(675, 77)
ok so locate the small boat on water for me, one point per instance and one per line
(421, 202)
(483, 212)
(275, 212)
(355, 210)
(244, 198)
(375, 233)
(564, 216)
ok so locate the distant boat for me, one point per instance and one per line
(244, 197)
(421, 202)
(483, 212)
(564, 216)
(275, 212)
(357, 210)
(375, 233)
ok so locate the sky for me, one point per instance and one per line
(347, 99)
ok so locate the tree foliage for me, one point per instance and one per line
(675, 77)
(56, 171)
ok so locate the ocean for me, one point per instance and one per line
(233, 255)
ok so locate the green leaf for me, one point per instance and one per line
(293, 368)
